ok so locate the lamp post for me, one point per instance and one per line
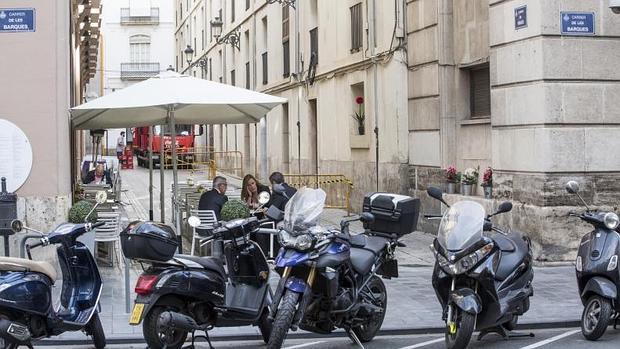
(189, 53)
(231, 38)
(203, 62)
(290, 3)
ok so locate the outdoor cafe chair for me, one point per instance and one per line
(109, 232)
(208, 220)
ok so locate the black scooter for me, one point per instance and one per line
(597, 270)
(188, 294)
(482, 282)
(26, 308)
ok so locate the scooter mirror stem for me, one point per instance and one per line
(91, 211)
(583, 201)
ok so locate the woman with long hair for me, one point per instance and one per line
(250, 188)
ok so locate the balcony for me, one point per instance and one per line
(139, 71)
(128, 19)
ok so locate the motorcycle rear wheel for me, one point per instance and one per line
(595, 317)
(368, 331)
(284, 319)
(464, 330)
(155, 335)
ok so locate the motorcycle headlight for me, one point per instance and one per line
(300, 242)
(579, 264)
(613, 263)
(466, 263)
(611, 220)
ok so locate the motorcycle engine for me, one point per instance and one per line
(343, 300)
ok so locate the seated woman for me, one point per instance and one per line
(98, 176)
(250, 189)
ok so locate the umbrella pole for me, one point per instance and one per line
(162, 165)
(175, 178)
(151, 173)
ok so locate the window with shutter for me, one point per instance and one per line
(287, 59)
(356, 28)
(247, 4)
(232, 78)
(232, 11)
(480, 92)
(247, 75)
(264, 57)
(314, 43)
(285, 23)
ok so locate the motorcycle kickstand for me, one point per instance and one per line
(193, 345)
(500, 330)
(353, 336)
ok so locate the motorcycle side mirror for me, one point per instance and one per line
(572, 187)
(504, 207)
(367, 217)
(193, 221)
(437, 194)
(263, 197)
(101, 197)
(17, 225)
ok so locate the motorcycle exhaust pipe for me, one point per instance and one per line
(14, 332)
(176, 321)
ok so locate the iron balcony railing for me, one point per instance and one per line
(127, 18)
(139, 71)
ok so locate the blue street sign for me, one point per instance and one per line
(15, 20)
(577, 23)
(521, 17)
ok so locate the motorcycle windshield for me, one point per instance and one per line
(302, 211)
(461, 226)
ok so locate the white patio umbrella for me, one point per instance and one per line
(172, 98)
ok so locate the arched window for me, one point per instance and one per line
(140, 48)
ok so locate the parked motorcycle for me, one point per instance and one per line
(482, 281)
(597, 270)
(331, 279)
(181, 294)
(26, 308)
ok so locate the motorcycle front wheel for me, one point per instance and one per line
(459, 335)
(284, 319)
(595, 318)
(378, 293)
(95, 329)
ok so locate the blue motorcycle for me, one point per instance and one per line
(26, 308)
(329, 278)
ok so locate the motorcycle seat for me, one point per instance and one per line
(513, 251)
(208, 263)
(374, 244)
(22, 264)
(362, 260)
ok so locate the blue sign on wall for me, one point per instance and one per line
(577, 23)
(15, 20)
(521, 17)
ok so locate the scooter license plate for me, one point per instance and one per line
(136, 314)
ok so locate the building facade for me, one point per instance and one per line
(510, 84)
(48, 69)
(319, 55)
(136, 44)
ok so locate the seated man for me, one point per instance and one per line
(98, 176)
(215, 198)
(282, 192)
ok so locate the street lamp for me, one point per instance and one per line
(189, 52)
(203, 62)
(290, 3)
(231, 38)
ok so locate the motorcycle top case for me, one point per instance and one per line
(394, 213)
(149, 241)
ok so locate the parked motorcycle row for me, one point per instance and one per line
(329, 279)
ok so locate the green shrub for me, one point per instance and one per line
(234, 209)
(80, 209)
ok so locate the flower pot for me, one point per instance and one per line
(458, 188)
(361, 130)
(467, 189)
(488, 191)
(451, 188)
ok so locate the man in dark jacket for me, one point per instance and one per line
(282, 192)
(215, 198)
(98, 176)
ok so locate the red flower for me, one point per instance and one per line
(359, 100)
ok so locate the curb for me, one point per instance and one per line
(307, 335)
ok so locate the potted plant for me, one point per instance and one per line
(234, 209)
(469, 181)
(359, 116)
(487, 182)
(79, 210)
(451, 179)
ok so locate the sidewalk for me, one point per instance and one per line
(412, 304)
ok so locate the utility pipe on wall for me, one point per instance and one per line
(372, 42)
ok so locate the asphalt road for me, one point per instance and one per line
(568, 338)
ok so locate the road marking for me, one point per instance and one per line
(423, 344)
(304, 345)
(552, 339)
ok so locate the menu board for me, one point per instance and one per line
(15, 155)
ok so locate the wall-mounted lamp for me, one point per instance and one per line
(231, 38)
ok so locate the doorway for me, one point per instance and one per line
(313, 137)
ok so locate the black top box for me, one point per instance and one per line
(394, 213)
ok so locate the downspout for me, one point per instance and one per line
(372, 41)
(299, 92)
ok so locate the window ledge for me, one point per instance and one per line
(360, 141)
(475, 121)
